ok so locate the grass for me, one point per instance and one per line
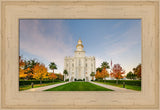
(21, 88)
(79, 86)
(132, 87)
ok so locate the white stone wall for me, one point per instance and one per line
(79, 66)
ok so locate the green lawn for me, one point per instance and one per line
(79, 86)
(132, 87)
(21, 88)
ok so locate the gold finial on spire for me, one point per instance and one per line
(79, 43)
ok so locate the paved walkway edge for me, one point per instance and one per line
(46, 87)
(116, 89)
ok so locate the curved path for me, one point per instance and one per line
(116, 89)
(46, 87)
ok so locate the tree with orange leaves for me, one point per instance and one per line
(22, 71)
(98, 75)
(52, 76)
(29, 65)
(117, 72)
(137, 71)
(21, 62)
(101, 72)
(26, 68)
(60, 76)
(40, 72)
(104, 73)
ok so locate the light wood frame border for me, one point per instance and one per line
(146, 10)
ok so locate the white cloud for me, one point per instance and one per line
(125, 41)
(120, 48)
(34, 39)
(99, 61)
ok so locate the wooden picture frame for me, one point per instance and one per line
(12, 11)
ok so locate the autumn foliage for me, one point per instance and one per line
(59, 76)
(98, 75)
(32, 69)
(52, 76)
(117, 72)
(103, 74)
(22, 71)
(40, 72)
(137, 71)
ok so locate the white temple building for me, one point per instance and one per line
(79, 66)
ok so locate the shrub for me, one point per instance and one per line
(79, 80)
(22, 83)
(67, 80)
(57, 80)
(100, 80)
(128, 82)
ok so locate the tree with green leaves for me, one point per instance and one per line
(92, 75)
(65, 72)
(99, 69)
(105, 65)
(131, 75)
(52, 66)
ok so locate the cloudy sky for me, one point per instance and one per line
(51, 40)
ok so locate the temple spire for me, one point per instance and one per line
(79, 45)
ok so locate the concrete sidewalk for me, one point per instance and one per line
(116, 89)
(46, 87)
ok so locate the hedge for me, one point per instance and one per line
(128, 82)
(22, 83)
(79, 79)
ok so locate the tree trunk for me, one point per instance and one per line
(92, 78)
(40, 81)
(117, 81)
(53, 70)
